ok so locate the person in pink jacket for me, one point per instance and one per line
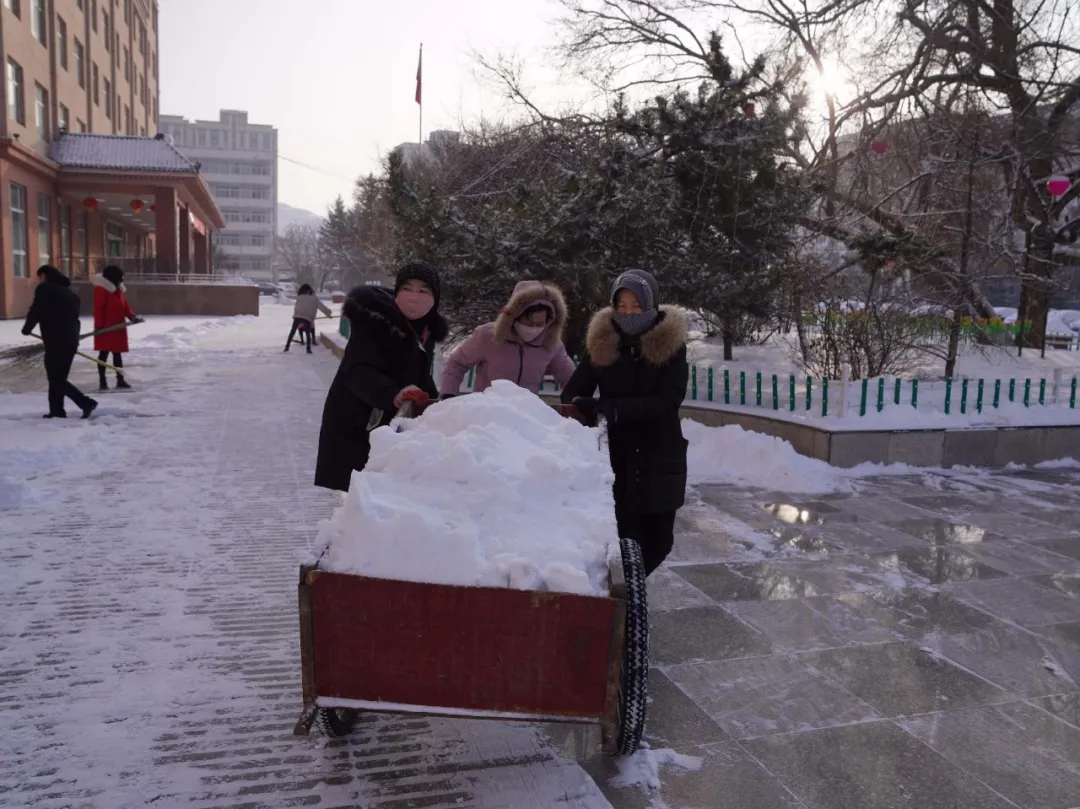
(522, 345)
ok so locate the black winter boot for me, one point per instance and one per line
(121, 384)
(103, 384)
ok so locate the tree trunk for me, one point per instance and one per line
(954, 345)
(729, 341)
(800, 326)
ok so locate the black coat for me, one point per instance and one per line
(645, 379)
(383, 356)
(56, 310)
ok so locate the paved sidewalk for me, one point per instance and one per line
(912, 643)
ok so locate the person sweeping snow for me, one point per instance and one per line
(111, 308)
(636, 356)
(56, 310)
(304, 313)
(387, 362)
(522, 345)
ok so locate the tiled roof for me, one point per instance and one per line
(120, 152)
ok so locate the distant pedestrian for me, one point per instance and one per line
(305, 311)
(56, 310)
(636, 356)
(522, 345)
(387, 362)
(111, 308)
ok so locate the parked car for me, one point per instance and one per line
(266, 288)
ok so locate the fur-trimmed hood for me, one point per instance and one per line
(658, 345)
(103, 282)
(376, 303)
(527, 293)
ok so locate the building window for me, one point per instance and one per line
(215, 137)
(83, 234)
(41, 112)
(79, 3)
(14, 6)
(105, 30)
(127, 64)
(153, 63)
(19, 238)
(39, 22)
(81, 125)
(65, 239)
(114, 241)
(97, 87)
(127, 11)
(202, 137)
(65, 119)
(108, 99)
(16, 99)
(127, 119)
(93, 14)
(80, 63)
(142, 90)
(44, 229)
(61, 42)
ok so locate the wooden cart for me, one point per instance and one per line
(481, 652)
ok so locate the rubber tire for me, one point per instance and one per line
(634, 679)
(336, 722)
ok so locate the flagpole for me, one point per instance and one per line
(419, 80)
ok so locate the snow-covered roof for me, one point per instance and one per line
(119, 152)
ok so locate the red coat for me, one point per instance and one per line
(110, 309)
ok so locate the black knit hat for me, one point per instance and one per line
(419, 271)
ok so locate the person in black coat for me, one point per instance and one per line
(388, 360)
(56, 310)
(636, 356)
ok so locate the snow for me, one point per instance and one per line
(642, 769)
(494, 489)
(430, 710)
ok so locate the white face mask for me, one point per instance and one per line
(529, 333)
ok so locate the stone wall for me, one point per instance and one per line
(214, 300)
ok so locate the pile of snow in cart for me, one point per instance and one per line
(493, 490)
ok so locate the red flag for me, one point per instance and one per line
(419, 75)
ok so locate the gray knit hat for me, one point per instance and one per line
(647, 291)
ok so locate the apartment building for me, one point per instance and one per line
(88, 68)
(239, 161)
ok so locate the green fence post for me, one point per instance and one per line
(825, 396)
(948, 396)
(979, 397)
(809, 393)
(693, 383)
(791, 388)
(896, 393)
(710, 383)
(775, 394)
(470, 382)
(915, 393)
(759, 388)
(963, 396)
(727, 386)
(997, 393)
(862, 399)
(1012, 389)
(881, 394)
(1042, 391)
(742, 387)
(1072, 395)
(1027, 393)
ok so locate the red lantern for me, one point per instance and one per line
(153, 209)
(879, 147)
(137, 205)
(1058, 185)
(90, 204)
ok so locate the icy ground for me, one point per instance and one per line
(821, 639)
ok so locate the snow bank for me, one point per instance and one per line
(733, 455)
(494, 489)
(185, 336)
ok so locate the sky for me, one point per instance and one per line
(337, 77)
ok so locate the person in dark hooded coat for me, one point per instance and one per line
(56, 310)
(636, 356)
(387, 361)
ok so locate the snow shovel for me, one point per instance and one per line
(33, 352)
(119, 371)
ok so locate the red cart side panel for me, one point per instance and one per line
(476, 648)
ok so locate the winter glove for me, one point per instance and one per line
(410, 394)
(27, 331)
(135, 319)
(586, 406)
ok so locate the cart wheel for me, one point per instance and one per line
(634, 681)
(336, 722)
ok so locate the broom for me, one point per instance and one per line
(32, 353)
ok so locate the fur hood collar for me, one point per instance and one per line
(658, 345)
(526, 293)
(106, 284)
(376, 303)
